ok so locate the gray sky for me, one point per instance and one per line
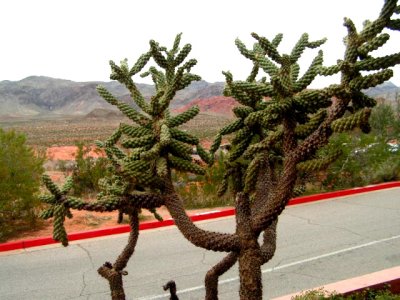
(75, 39)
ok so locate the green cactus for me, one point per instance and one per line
(183, 136)
(140, 63)
(242, 111)
(241, 134)
(349, 123)
(275, 139)
(290, 96)
(264, 145)
(251, 175)
(223, 187)
(47, 214)
(216, 143)
(204, 155)
(184, 165)
(137, 166)
(310, 74)
(236, 125)
(183, 117)
(134, 131)
(311, 101)
(51, 187)
(304, 130)
(165, 136)
(318, 164)
(239, 149)
(162, 166)
(360, 100)
(59, 233)
(67, 185)
(180, 149)
(139, 142)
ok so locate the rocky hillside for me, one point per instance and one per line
(387, 91)
(38, 96)
(43, 95)
(216, 105)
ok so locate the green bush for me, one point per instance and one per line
(200, 191)
(367, 294)
(88, 171)
(384, 122)
(387, 171)
(20, 173)
(367, 158)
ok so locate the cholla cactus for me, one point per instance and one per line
(142, 155)
(154, 144)
(281, 125)
(57, 210)
(280, 128)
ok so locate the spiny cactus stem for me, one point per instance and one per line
(212, 276)
(250, 257)
(270, 210)
(145, 200)
(209, 240)
(320, 136)
(113, 273)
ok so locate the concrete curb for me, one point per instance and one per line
(376, 280)
(197, 217)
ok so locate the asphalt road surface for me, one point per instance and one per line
(318, 243)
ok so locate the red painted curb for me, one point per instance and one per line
(335, 194)
(375, 280)
(111, 230)
(197, 217)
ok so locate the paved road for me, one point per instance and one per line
(318, 243)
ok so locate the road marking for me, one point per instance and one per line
(269, 270)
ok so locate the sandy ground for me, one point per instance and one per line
(67, 153)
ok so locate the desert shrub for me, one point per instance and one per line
(384, 121)
(87, 171)
(200, 191)
(389, 170)
(65, 166)
(367, 294)
(20, 173)
(367, 158)
(317, 294)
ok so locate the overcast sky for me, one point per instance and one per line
(75, 39)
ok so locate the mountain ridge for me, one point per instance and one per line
(37, 96)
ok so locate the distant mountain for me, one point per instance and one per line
(38, 96)
(44, 95)
(216, 105)
(386, 90)
(198, 90)
(104, 113)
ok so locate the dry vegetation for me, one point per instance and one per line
(206, 126)
(68, 130)
(62, 131)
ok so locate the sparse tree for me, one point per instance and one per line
(281, 126)
(20, 172)
(384, 121)
(88, 171)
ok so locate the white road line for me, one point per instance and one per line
(299, 262)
